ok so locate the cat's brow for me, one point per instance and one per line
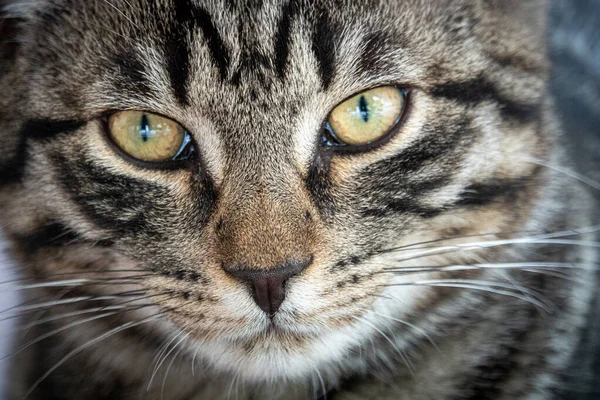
(189, 17)
(283, 37)
(323, 45)
(131, 72)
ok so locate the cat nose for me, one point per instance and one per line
(268, 286)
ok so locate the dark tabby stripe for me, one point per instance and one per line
(53, 234)
(106, 198)
(177, 51)
(437, 142)
(373, 57)
(218, 51)
(12, 171)
(131, 74)
(387, 204)
(323, 45)
(282, 38)
(390, 183)
(318, 184)
(187, 17)
(56, 234)
(125, 205)
(479, 90)
(485, 193)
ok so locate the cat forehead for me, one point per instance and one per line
(235, 38)
(162, 55)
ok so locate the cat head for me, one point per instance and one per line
(287, 160)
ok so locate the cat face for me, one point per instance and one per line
(271, 246)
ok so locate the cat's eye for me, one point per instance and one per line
(149, 137)
(366, 117)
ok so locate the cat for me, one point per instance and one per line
(291, 200)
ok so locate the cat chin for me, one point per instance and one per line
(275, 356)
(284, 349)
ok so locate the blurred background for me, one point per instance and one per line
(574, 32)
(575, 53)
(575, 38)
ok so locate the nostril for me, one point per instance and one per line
(268, 286)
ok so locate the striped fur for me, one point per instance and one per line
(435, 271)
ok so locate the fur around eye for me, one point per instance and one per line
(368, 116)
(148, 137)
(299, 200)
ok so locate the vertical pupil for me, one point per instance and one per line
(145, 131)
(363, 108)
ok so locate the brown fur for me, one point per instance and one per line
(253, 83)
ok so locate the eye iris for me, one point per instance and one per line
(145, 131)
(146, 136)
(363, 109)
(367, 116)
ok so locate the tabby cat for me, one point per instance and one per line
(212, 199)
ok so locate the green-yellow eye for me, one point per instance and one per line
(148, 137)
(368, 116)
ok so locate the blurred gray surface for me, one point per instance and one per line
(575, 35)
(575, 54)
(8, 299)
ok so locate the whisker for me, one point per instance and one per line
(235, 376)
(39, 315)
(196, 352)
(556, 274)
(162, 388)
(88, 344)
(394, 346)
(416, 328)
(194, 362)
(470, 281)
(117, 306)
(24, 309)
(540, 239)
(469, 267)
(421, 245)
(528, 299)
(70, 282)
(163, 347)
(160, 359)
(413, 246)
(122, 13)
(163, 359)
(159, 356)
(79, 322)
(67, 315)
(56, 331)
(506, 276)
(21, 308)
(324, 390)
(572, 174)
(313, 385)
(65, 274)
